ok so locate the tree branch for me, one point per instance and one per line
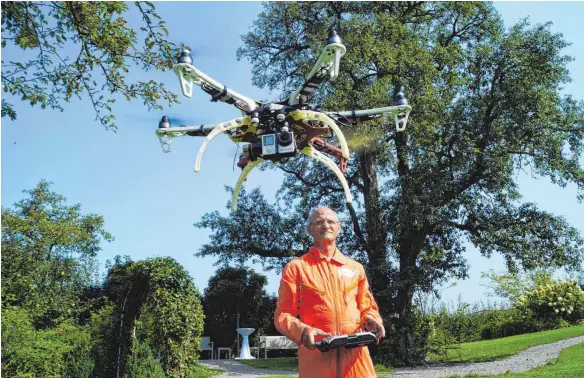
(357, 228)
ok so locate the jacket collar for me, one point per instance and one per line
(337, 256)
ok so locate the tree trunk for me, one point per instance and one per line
(409, 243)
(377, 266)
(403, 305)
(410, 240)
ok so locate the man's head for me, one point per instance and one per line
(323, 225)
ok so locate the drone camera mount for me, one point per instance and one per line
(274, 140)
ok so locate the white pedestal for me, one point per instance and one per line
(245, 353)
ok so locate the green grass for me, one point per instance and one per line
(382, 369)
(497, 349)
(570, 364)
(201, 371)
(281, 363)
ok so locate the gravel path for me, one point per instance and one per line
(523, 361)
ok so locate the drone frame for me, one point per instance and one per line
(299, 114)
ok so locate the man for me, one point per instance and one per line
(324, 293)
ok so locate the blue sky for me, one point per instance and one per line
(150, 200)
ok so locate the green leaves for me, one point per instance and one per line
(551, 299)
(237, 294)
(486, 105)
(157, 298)
(108, 49)
(48, 254)
(63, 351)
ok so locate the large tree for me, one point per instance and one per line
(486, 105)
(73, 49)
(49, 255)
(236, 297)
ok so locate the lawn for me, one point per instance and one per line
(201, 371)
(570, 364)
(282, 363)
(497, 349)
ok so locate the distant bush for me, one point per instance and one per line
(466, 323)
(63, 351)
(142, 364)
(551, 302)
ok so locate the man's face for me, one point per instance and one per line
(324, 226)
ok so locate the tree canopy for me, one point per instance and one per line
(236, 296)
(487, 104)
(49, 254)
(105, 48)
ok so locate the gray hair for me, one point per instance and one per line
(313, 214)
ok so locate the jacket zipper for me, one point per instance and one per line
(335, 299)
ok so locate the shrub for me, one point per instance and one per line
(142, 364)
(550, 302)
(466, 324)
(63, 351)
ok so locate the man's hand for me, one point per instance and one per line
(372, 324)
(308, 335)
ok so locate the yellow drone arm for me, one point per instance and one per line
(316, 116)
(220, 128)
(309, 151)
(251, 165)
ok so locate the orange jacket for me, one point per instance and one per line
(333, 296)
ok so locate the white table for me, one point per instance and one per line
(245, 353)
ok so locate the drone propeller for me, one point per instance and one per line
(193, 53)
(177, 121)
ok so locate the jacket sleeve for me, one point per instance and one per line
(365, 301)
(285, 317)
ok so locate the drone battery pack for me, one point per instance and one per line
(353, 340)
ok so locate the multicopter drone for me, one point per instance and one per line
(277, 131)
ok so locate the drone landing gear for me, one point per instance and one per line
(220, 128)
(309, 151)
(251, 165)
